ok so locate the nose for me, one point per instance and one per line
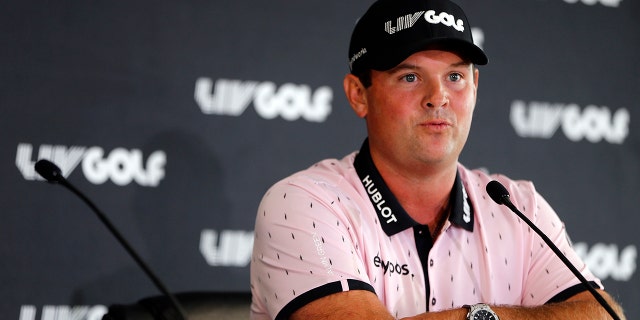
(436, 95)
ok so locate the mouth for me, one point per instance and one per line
(436, 124)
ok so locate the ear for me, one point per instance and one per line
(476, 75)
(356, 94)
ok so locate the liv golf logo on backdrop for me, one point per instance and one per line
(229, 248)
(606, 3)
(121, 166)
(592, 123)
(608, 260)
(62, 312)
(289, 101)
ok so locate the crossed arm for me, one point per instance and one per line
(359, 304)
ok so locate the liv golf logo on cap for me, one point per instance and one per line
(408, 21)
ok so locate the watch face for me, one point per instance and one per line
(483, 315)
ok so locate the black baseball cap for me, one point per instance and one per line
(392, 30)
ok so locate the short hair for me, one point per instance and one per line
(365, 77)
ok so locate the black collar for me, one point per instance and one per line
(393, 218)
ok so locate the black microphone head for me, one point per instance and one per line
(49, 171)
(498, 192)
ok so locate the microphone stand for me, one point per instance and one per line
(52, 173)
(500, 195)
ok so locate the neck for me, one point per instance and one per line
(425, 197)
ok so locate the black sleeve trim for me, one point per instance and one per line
(571, 291)
(319, 292)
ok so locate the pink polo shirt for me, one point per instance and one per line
(325, 230)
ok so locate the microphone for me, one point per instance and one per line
(53, 174)
(49, 171)
(500, 195)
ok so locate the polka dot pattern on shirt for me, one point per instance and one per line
(318, 227)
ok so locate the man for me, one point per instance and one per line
(401, 229)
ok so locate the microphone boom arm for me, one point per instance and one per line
(500, 195)
(52, 173)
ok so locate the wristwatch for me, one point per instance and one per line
(480, 311)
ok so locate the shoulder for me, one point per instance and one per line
(325, 190)
(522, 193)
(476, 180)
(328, 175)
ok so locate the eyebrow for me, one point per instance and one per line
(409, 66)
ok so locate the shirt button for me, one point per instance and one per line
(431, 262)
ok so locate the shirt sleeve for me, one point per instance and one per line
(304, 248)
(548, 276)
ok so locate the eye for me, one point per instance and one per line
(410, 77)
(455, 77)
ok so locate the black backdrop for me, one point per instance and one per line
(176, 116)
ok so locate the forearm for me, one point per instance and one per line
(564, 310)
(568, 310)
